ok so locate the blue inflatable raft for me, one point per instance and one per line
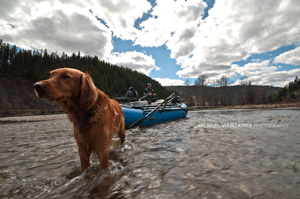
(134, 111)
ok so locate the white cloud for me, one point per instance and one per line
(169, 82)
(57, 26)
(290, 57)
(135, 60)
(262, 73)
(169, 17)
(276, 78)
(255, 68)
(233, 31)
(120, 15)
(72, 26)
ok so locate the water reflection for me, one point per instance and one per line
(178, 159)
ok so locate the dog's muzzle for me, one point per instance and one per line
(39, 88)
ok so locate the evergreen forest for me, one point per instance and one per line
(37, 64)
(286, 93)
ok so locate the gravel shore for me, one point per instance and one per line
(32, 118)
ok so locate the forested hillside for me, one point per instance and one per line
(19, 69)
(196, 95)
(245, 94)
(36, 65)
(289, 93)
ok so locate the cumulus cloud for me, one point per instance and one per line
(255, 68)
(264, 73)
(276, 78)
(233, 31)
(169, 82)
(169, 17)
(135, 60)
(57, 26)
(71, 26)
(290, 57)
(120, 15)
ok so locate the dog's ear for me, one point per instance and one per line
(88, 94)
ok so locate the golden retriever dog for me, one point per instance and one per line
(95, 117)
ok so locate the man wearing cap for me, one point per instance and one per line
(149, 93)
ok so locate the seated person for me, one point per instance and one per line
(131, 93)
(149, 93)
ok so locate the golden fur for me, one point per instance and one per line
(95, 117)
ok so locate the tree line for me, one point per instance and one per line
(37, 64)
(287, 93)
(220, 93)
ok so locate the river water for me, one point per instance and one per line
(210, 154)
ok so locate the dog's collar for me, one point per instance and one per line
(90, 113)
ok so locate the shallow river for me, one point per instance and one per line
(210, 154)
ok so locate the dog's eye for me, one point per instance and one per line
(65, 76)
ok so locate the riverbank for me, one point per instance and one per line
(32, 118)
(18, 98)
(44, 113)
(16, 113)
(252, 106)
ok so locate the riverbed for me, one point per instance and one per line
(210, 154)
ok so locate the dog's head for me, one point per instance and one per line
(66, 84)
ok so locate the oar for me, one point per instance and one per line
(140, 121)
(142, 98)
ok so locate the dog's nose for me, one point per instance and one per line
(39, 86)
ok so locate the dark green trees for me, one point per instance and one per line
(36, 65)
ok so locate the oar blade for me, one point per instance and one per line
(137, 123)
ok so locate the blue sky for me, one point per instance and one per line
(170, 41)
(167, 65)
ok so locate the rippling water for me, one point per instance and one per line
(210, 154)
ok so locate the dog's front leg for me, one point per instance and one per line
(103, 156)
(84, 154)
(84, 150)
